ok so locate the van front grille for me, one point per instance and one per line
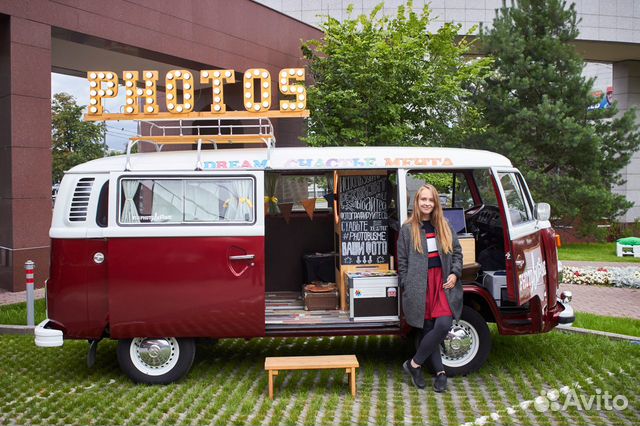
(80, 201)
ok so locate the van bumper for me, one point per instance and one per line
(567, 316)
(47, 337)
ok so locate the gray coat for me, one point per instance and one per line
(412, 276)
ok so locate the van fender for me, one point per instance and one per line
(479, 299)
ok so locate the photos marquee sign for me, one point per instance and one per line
(141, 89)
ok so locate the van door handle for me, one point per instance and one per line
(243, 257)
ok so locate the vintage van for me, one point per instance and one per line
(159, 249)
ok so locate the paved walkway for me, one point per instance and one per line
(607, 301)
(8, 298)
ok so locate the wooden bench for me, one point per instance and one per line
(274, 364)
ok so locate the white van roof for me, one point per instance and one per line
(303, 158)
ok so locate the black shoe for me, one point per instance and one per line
(415, 373)
(440, 383)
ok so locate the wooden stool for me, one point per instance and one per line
(349, 362)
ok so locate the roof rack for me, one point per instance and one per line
(249, 131)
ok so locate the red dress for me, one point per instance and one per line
(437, 304)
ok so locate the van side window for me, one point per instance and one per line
(102, 212)
(297, 188)
(185, 200)
(453, 188)
(485, 187)
(461, 192)
(518, 208)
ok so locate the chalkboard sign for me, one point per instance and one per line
(364, 221)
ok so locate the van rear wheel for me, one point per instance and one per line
(467, 346)
(156, 361)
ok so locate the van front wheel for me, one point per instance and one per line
(467, 346)
(156, 361)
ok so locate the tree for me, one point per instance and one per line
(389, 81)
(73, 141)
(535, 105)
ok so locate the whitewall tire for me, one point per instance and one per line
(467, 346)
(156, 360)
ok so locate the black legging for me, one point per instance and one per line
(433, 333)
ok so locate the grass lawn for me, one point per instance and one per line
(227, 384)
(16, 314)
(599, 252)
(628, 326)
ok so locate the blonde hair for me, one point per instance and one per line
(439, 222)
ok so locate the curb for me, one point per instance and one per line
(16, 329)
(615, 336)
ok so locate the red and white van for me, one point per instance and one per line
(158, 249)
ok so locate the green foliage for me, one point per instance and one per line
(536, 108)
(442, 181)
(73, 141)
(389, 81)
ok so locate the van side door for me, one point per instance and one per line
(186, 255)
(524, 254)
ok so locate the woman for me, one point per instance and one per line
(429, 271)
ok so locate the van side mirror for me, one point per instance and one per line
(543, 211)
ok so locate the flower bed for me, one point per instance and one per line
(628, 277)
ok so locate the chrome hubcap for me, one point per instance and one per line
(155, 352)
(458, 343)
(461, 345)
